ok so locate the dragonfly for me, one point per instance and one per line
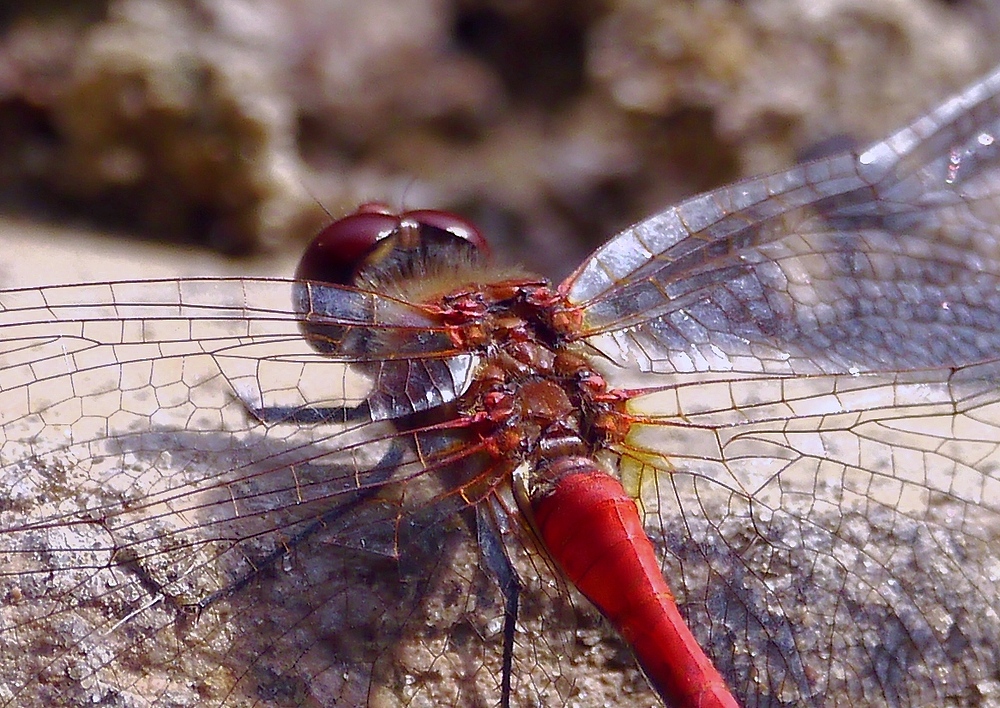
(337, 488)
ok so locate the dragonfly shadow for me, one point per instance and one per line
(266, 572)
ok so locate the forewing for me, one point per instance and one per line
(160, 546)
(879, 261)
(820, 456)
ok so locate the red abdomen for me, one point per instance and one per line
(591, 528)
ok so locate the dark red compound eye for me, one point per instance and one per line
(350, 246)
(341, 249)
(337, 251)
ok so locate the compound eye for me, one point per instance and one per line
(373, 240)
(341, 250)
(337, 252)
(450, 223)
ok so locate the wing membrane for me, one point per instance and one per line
(878, 261)
(245, 326)
(137, 490)
(870, 501)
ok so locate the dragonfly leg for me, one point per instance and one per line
(495, 556)
(306, 415)
(380, 473)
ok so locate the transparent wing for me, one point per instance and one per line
(820, 458)
(139, 495)
(835, 540)
(879, 261)
(245, 326)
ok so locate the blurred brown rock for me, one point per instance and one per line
(238, 122)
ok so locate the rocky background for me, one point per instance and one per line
(243, 125)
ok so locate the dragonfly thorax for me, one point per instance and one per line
(538, 398)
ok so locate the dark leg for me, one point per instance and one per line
(495, 556)
(270, 415)
(380, 473)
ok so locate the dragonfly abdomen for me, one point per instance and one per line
(591, 528)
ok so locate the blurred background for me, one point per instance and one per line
(238, 127)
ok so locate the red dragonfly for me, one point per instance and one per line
(359, 486)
